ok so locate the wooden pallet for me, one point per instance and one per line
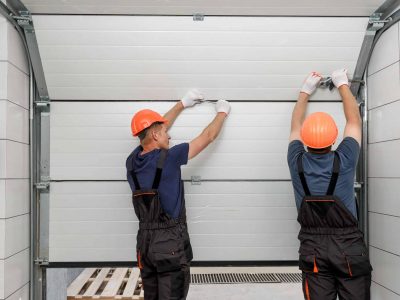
(107, 284)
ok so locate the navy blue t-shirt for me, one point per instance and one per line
(318, 171)
(170, 189)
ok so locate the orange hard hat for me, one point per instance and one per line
(319, 131)
(144, 119)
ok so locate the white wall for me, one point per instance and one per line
(14, 166)
(384, 165)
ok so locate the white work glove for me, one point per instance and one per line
(311, 83)
(223, 106)
(191, 98)
(339, 77)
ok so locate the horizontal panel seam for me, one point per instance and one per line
(383, 177)
(379, 213)
(385, 141)
(158, 101)
(18, 68)
(185, 180)
(16, 216)
(10, 140)
(17, 104)
(19, 252)
(386, 104)
(388, 66)
(17, 290)
(385, 287)
(394, 254)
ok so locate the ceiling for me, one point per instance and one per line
(207, 7)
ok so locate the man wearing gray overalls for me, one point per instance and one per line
(333, 256)
(154, 174)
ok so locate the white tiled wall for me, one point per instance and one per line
(14, 166)
(384, 165)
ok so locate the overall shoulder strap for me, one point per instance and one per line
(300, 170)
(160, 164)
(335, 174)
(132, 172)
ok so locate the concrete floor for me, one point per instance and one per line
(257, 291)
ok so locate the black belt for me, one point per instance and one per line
(161, 225)
(329, 230)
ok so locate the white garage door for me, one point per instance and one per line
(98, 68)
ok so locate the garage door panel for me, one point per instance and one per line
(155, 93)
(187, 67)
(205, 53)
(195, 227)
(248, 133)
(173, 80)
(229, 213)
(200, 254)
(235, 200)
(93, 254)
(244, 240)
(131, 38)
(251, 253)
(127, 109)
(250, 215)
(92, 228)
(81, 150)
(151, 23)
(208, 194)
(245, 199)
(80, 126)
(87, 115)
(94, 241)
(217, 160)
(129, 58)
(65, 147)
(198, 240)
(209, 173)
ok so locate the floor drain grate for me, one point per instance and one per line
(220, 278)
(289, 277)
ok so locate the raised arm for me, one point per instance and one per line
(190, 99)
(211, 132)
(353, 119)
(299, 110)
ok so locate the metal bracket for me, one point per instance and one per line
(327, 82)
(358, 185)
(41, 261)
(196, 180)
(44, 185)
(44, 102)
(198, 17)
(24, 20)
(376, 22)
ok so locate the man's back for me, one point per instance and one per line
(318, 171)
(170, 189)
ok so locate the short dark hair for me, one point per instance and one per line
(319, 151)
(142, 135)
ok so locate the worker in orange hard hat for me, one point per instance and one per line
(333, 256)
(163, 246)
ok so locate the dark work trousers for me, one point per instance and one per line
(163, 245)
(333, 256)
(165, 285)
